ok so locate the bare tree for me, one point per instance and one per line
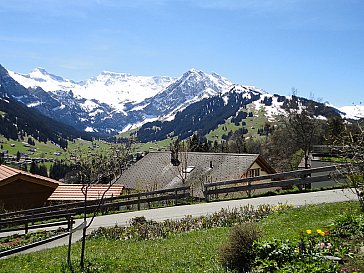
(349, 145)
(303, 127)
(101, 167)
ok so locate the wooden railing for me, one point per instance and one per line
(285, 179)
(28, 219)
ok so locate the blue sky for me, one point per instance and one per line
(315, 46)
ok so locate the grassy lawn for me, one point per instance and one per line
(289, 223)
(185, 252)
(181, 252)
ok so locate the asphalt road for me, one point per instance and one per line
(195, 210)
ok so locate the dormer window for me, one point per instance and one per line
(253, 172)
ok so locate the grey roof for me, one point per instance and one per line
(155, 170)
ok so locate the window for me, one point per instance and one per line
(253, 172)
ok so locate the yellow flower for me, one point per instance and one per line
(308, 231)
(320, 232)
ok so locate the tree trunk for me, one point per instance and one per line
(82, 261)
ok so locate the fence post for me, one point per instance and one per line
(70, 224)
(26, 227)
(300, 185)
(175, 197)
(138, 200)
(206, 193)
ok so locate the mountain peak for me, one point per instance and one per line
(194, 74)
(194, 70)
(40, 70)
(42, 74)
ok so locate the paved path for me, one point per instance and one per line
(123, 219)
(329, 196)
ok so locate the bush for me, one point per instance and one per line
(238, 252)
(349, 226)
(142, 229)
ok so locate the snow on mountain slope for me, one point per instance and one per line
(111, 88)
(40, 77)
(353, 111)
(114, 102)
(192, 86)
(117, 88)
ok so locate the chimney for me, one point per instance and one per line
(211, 166)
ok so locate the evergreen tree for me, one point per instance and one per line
(33, 167)
(2, 158)
(31, 141)
(194, 143)
(42, 170)
(58, 170)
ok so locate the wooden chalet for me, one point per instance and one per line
(23, 190)
(20, 189)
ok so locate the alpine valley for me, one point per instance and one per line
(159, 106)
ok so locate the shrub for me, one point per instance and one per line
(238, 252)
(349, 226)
(288, 256)
(142, 229)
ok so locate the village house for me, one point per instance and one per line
(156, 171)
(23, 190)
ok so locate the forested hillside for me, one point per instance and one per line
(206, 115)
(16, 120)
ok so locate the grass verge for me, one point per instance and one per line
(194, 251)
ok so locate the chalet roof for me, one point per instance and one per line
(73, 192)
(156, 171)
(8, 175)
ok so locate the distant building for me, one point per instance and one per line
(155, 170)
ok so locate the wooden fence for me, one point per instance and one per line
(277, 180)
(28, 219)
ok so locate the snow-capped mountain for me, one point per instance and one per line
(353, 111)
(112, 102)
(114, 89)
(39, 77)
(192, 86)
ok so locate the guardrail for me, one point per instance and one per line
(285, 179)
(27, 219)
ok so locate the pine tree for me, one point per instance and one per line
(33, 167)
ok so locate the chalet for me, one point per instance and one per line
(21, 190)
(156, 171)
